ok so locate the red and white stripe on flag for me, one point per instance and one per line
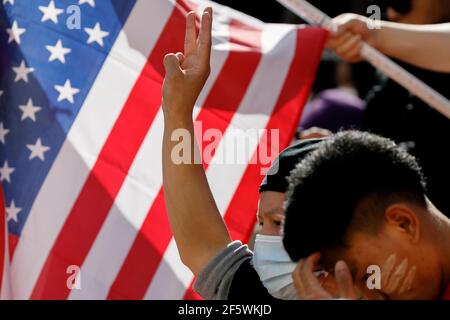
(115, 227)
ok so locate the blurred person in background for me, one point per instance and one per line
(394, 112)
(333, 109)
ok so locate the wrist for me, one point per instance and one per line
(377, 34)
(374, 35)
(177, 119)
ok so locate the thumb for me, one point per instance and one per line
(172, 64)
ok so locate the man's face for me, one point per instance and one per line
(408, 271)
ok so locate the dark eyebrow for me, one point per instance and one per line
(273, 212)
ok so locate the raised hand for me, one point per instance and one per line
(196, 223)
(186, 73)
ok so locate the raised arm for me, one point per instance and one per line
(197, 226)
(426, 46)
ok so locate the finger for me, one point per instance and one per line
(332, 42)
(346, 27)
(407, 284)
(180, 57)
(354, 55)
(348, 46)
(298, 284)
(344, 281)
(171, 64)
(397, 276)
(330, 285)
(343, 26)
(387, 270)
(347, 22)
(209, 10)
(204, 38)
(309, 279)
(335, 42)
(313, 290)
(191, 35)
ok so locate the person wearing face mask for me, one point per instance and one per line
(270, 260)
(235, 272)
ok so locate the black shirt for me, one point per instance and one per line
(394, 113)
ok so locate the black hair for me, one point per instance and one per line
(276, 178)
(331, 182)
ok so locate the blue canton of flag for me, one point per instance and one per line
(51, 52)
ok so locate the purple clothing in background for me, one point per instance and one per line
(333, 109)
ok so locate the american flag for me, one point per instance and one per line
(81, 137)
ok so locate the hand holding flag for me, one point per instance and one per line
(352, 31)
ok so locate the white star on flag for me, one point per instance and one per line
(8, 1)
(38, 150)
(96, 34)
(29, 110)
(58, 52)
(3, 133)
(15, 32)
(22, 72)
(5, 172)
(12, 211)
(1, 93)
(90, 2)
(50, 12)
(66, 92)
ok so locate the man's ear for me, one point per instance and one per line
(403, 218)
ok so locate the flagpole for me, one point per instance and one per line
(434, 99)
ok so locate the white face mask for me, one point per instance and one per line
(274, 267)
